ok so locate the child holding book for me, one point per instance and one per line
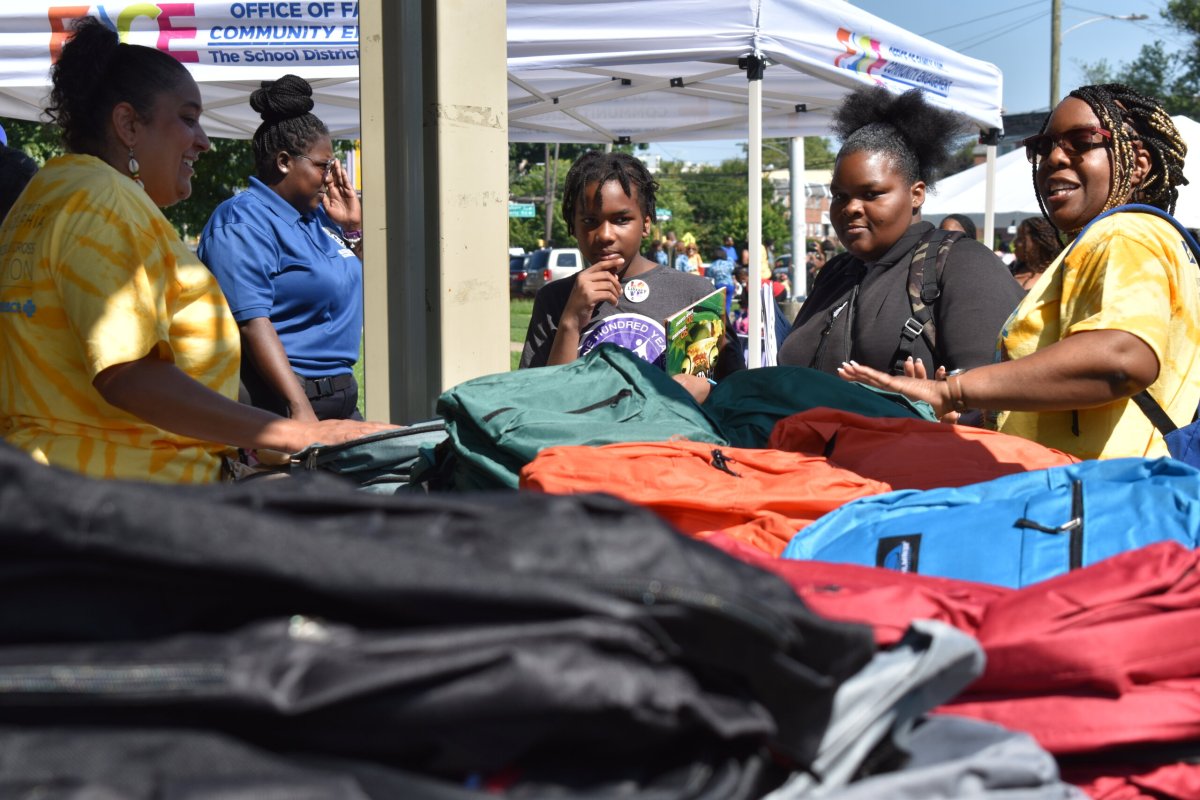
(620, 297)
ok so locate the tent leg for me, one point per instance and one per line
(754, 228)
(991, 138)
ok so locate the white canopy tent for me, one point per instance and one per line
(622, 71)
(967, 193)
(598, 71)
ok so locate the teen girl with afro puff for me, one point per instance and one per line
(1117, 313)
(893, 150)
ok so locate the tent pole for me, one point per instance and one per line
(755, 66)
(990, 139)
(799, 268)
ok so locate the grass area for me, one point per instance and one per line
(519, 312)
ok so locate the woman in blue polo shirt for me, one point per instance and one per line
(286, 253)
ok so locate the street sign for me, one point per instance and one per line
(521, 210)
(662, 213)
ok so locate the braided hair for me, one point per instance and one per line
(1133, 117)
(598, 167)
(94, 73)
(1045, 241)
(287, 126)
(918, 136)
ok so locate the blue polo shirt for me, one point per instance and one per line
(272, 261)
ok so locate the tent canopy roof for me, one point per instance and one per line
(604, 70)
(610, 71)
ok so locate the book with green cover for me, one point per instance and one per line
(695, 335)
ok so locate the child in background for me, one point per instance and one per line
(621, 297)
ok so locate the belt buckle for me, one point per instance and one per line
(324, 386)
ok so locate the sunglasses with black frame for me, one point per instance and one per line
(1073, 142)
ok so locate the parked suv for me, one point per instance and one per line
(550, 265)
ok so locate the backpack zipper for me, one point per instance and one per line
(609, 402)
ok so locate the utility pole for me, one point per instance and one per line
(1055, 47)
(551, 179)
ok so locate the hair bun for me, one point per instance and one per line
(288, 97)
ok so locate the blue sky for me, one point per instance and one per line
(1014, 36)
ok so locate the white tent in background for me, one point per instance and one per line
(613, 71)
(966, 191)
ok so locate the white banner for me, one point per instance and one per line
(227, 46)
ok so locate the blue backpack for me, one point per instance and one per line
(1015, 530)
(1182, 443)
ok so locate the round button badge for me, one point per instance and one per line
(637, 290)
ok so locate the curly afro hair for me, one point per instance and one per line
(918, 136)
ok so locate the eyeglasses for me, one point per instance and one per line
(1073, 143)
(325, 165)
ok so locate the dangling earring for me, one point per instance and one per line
(134, 169)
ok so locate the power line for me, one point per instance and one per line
(986, 16)
(975, 41)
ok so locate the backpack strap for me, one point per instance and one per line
(1149, 406)
(924, 288)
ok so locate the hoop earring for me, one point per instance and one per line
(134, 169)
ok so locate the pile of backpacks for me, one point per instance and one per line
(803, 588)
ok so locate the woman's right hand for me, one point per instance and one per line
(915, 368)
(935, 392)
(334, 431)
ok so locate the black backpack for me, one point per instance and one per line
(560, 641)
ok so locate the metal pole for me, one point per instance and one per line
(1055, 47)
(754, 329)
(799, 217)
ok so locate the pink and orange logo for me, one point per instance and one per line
(163, 14)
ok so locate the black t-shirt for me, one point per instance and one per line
(977, 296)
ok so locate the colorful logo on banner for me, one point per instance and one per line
(885, 63)
(249, 33)
(645, 337)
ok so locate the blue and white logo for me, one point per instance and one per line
(642, 335)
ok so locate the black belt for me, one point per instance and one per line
(316, 388)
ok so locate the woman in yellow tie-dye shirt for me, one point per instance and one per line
(1118, 312)
(118, 355)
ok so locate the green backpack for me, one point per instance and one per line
(499, 423)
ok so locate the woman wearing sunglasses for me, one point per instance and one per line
(1118, 312)
(859, 307)
(286, 253)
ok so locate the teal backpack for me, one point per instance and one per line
(499, 423)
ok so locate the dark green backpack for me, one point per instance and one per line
(499, 423)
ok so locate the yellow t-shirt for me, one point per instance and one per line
(92, 275)
(1130, 272)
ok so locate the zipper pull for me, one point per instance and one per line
(722, 461)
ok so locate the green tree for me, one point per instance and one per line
(1172, 75)
(221, 172)
(40, 141)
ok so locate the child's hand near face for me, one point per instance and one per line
(596, 284)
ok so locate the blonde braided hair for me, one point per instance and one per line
(1134, 117)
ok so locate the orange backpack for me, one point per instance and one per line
(761, 497)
